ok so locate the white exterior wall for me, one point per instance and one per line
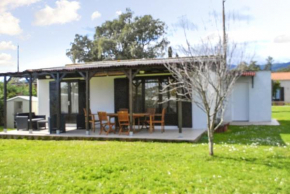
(286, 85)
(102, 94)
(43, 97)
(10, 114)
(259, 98)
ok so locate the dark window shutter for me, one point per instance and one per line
(52, 98)
(282, 93)
(82, 96)
(121, 94)
(52, 105)
(186, 114)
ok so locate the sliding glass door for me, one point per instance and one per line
(70, 100)
(146, 94)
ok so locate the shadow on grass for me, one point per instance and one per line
(280, 111)
(279, 163)
(258, 135)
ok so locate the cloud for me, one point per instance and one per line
(12, 4)
(118, 12)
(96, 15)
(9, 25)
(5, 59)
(285, 38)
(7, 45)
(64, 12)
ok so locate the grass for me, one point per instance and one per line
(254, 159)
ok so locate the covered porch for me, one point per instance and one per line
(135, 83)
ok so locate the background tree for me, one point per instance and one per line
(275, 86)
(81, 49)
(269, 64)
(243, 66)
(253, 66)
(126, 37)
(14, 88)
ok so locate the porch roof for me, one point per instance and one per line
(109, 66)
(104, 65)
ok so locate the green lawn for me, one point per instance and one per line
(248, 160)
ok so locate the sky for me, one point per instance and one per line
(44, 29)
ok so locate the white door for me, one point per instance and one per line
(241, 102)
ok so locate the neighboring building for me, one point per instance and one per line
(282, 94)
(19, 104)
(107, 85)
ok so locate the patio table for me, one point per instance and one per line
(136, 115)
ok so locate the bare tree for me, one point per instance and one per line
(206, 78)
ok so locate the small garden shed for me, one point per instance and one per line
(19, 104)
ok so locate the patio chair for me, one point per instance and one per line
(104, 121)
(92, 119)
(161, 121)
(22, 121)
(145, 122)
(123, 119)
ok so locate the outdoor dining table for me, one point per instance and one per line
(136, 115)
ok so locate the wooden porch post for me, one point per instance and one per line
(5, 104)
(30, 101)
(131, 98)
(58, 102)
(179, 115)
(87, 77)
(130, 75)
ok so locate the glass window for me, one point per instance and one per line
(64, 97)
(169, 98)
(146, 94)
(74, 97)
(151, 93)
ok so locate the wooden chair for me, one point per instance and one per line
(123, 119)
(161, 121)
(145, 122)
(92, 119)
(104, 121)
(124, 109)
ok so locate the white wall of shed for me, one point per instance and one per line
(25, 109)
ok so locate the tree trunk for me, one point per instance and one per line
(210, 141)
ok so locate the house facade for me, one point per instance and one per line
(282, 94)
(250, 100)
(135, 84)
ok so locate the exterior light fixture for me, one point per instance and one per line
(141, 72)
(47, 76)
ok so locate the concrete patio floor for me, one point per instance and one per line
(171, 134)
(273, 122)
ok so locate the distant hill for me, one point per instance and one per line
(275, 67)
(280, 66)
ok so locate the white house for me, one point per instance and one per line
(109, 91)
(63, 93)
